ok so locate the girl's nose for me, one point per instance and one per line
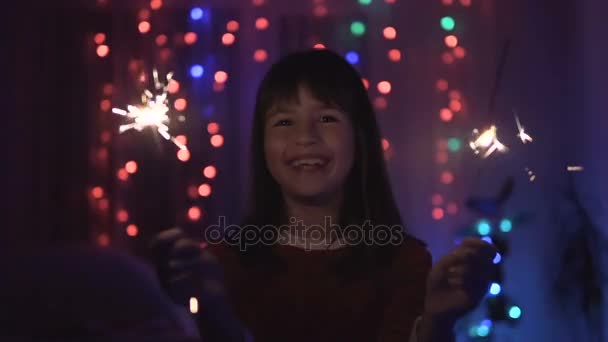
(307, 133)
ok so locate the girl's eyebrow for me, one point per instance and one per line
(280, 109)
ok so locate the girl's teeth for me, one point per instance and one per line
(308, 162)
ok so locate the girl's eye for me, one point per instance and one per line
(328, 118)
(284, 122)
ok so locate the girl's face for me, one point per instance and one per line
(309, 148)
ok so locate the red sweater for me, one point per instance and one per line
(307, 302)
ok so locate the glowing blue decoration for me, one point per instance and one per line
(487, 323)
(487, 239)
(484, 228)
(196, 13)
(506, 225)
(483, 330)
(197, 71)
(495, 289)
(352, 57)
(497, 258)
(515, 312)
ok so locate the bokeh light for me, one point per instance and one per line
(446, 115)
(105, 105)
(352, 57)
(514, 312)
(365, 83)
(442, 85)
(455, 95)
(447, 58)
(497, 258)
(156, 4)
(389, 33)
(122, 215)
(103, 50)
(262, 23)
(384, 87)
(132, 230)
(122, 174)
(161, 39)
(180, 104)
(258, 3)
(452, 208)
(506, 225)
(182, 139)
(436, 200)
(144, 27)
(100, 38)
(385, 144)
(173, 86)
(438, 214)
(460, 52)
(210, 171)
(495, 289)
(196, 13)
(357, 28)
(131, 166)
(213, 128)
(447, 177)
(196, 71)
(365, 2)
(455, 106)
(204, 190)
(320, 11)
(217, 140)
(194, 213)
(380, 103)
(447, 2)
(465, 3)
(183, 155)
(220, 76)
(97, 192)
(448, 23)
(441, 157)
(228, 39)
(454, 144)
(484, 228)
(260, 55)
(394, 55)
(232, 26)
(103, 240)
(319, 46)
(451, 41)
(190, 38)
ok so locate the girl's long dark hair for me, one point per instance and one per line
(334, 81)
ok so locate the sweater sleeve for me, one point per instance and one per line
(407, 290)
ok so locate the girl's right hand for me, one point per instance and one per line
(186, 270)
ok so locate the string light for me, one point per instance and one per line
(103, 50)
(451, 41)
(262, 23)
(228, 39)
(384, 87)
(390, 33)
(196, 13)
(232, 26)
(221, 76)
(190, 38)
(204, 190)
(357, 28)
(394, 55)
(99, 38)
(132, 230)
(213, 128)
(194, 213)
(448, 23)
(210, 171)
(144, 27)
(260, 55)
(352, 57)
(196, 71)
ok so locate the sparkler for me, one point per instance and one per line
(486, 142)
(525, 137)
(152, 112)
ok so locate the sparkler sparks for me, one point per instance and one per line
(574, 168)
(152, 112)
(523, 136)
(487, 142)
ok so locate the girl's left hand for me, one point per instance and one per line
(459, 281)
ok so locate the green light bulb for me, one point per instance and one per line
(357, 28)
(448, 23)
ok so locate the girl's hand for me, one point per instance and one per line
(458, 282)
(186, 270)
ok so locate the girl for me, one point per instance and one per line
(322, 256)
